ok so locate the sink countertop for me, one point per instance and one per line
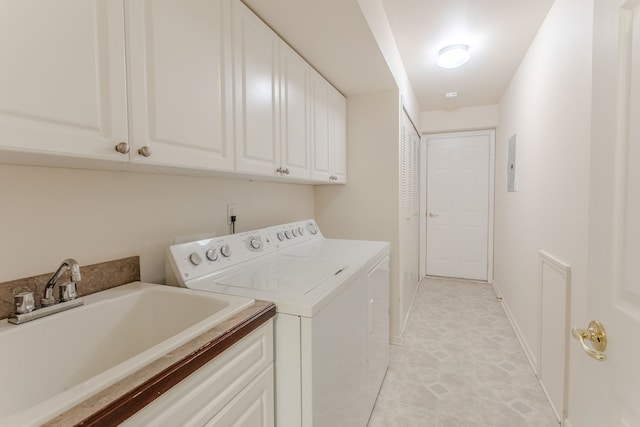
(135, 391)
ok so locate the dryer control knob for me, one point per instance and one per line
(295, 232)
(212, 254)
(280, 236)
(195, 258)
(301, 230)
(312, 228)
(256, 243)
(225, 251)
(288, 234)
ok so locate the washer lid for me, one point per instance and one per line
(292, 276)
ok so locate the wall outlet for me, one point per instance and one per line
(231, 210)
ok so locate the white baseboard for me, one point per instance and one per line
(398, 339)
(395, 339)
(531, 356)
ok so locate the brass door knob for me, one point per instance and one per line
(597, 336)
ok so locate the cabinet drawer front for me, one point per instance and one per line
(252, 407)
(204, 393)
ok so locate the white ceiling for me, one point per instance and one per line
(335, 38)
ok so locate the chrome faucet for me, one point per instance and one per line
(24, 307)
(67, 290)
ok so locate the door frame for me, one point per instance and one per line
(424, 140)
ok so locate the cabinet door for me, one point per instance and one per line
(294, 112)
(252, 407)
(321, 166)
(256, 93)
(339, 137)
(179, 88)
(62, 79)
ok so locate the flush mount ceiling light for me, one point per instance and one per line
(453, 56)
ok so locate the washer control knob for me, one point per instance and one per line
(256, 243)
(212, 254)
(288, 234)
(225, 251)
(195, 258)
(295, 232)
(312, 228)
(280, 236)
(301, 230)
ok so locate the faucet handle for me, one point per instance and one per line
(24, 302)
(68, 291)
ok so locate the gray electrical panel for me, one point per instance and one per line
(511, 165)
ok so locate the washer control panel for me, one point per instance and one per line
(206, 257)
(203, 257)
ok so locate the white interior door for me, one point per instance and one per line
(459, 183)
(613, 388)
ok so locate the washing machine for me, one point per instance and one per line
(332, 321)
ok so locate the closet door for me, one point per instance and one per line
(180, 85)
(62, 79)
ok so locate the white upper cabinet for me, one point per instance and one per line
(321, 166)
(339, 137)
(329, 162)
(193, 84)
(62, 79)
(179, 83)
(295, 158)
(257, 93)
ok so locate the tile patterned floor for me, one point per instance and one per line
(460, 365)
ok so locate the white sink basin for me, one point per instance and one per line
(51, 364)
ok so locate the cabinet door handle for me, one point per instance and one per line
(145, 151)
(122, 147)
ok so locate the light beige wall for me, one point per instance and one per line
(547, 106)
(48, 214)
(470, 118)
(373, 11)
(367, 207)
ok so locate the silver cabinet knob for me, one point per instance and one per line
(286, 171)
(145, 151)
(122, 148)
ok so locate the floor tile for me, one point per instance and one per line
(460, 365)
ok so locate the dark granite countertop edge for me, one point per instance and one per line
(124, 398)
